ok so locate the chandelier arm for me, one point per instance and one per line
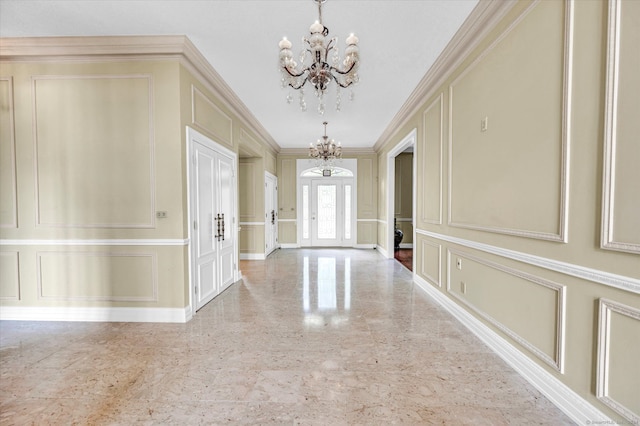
(329, 45)
(339, 83)
(301, 84)
(295, 75)
(328, 50)
(343, 72)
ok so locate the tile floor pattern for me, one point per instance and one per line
(312, 337)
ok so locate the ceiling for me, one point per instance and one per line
(399, 41)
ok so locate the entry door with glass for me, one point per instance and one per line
(326, 209)
(327, 219)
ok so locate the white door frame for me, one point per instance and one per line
(408, 141)
(193, 135)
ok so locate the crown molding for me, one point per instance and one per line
(31, 49)
(43, 48)
(484, 17)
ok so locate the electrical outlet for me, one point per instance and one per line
(459, 263)
(484, 124)
(161, 215)
(463, 287)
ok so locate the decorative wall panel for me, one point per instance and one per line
(248, 146)
(367, 232)
(403, 182)
(618, 355)
(430, 164)
(8, 182)
(247, 200)
(621, 200)
(95, 170)
(430, 261)
(207, 116)
(252, 238)
(287, 180)
(97, 276)
(508, 159)
(287, 233)
(512, 300)
(367, 205)
(406, 226)
(9, 275)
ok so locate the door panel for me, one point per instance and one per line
(326, 208)
(326, 212)
(226, 208)
(205, 247)
(271, 213)
(206, 283)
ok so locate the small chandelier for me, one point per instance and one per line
(325, 151)
(315, 67)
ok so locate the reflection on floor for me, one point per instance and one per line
(311, 337)
(404, 256)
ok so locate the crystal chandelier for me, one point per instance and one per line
(325, 151)
(314, 64)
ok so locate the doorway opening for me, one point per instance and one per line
(401, 196)
(326, 205)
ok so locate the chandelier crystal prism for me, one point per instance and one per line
(319, 64)
(326, 151)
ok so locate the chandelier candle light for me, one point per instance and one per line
(325, 151)
(314, 64)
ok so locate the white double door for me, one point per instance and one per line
(327, 212)
(213, 210)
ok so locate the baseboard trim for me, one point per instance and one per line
(95, 314)
(406, 245)
(365, 246)
(572, 404)
(289, 246)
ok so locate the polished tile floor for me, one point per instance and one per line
(314, 337)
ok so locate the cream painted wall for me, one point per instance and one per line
(367, 198)
(89, 139)
(520, 205)
(91, 149)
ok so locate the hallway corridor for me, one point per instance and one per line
(313, 337)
